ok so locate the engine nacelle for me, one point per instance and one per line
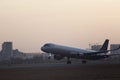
(58, 57)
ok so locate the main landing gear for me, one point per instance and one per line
(69, 61)
(84, 61)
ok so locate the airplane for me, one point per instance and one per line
(61, 51)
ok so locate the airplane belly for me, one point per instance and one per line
(60, 51)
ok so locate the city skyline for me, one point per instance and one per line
(30, 24)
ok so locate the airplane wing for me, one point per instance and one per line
(104, 51)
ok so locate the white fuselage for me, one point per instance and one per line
(61, 51)
(65, 50)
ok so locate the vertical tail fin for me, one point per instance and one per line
(105, 45)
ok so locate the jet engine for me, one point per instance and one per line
(58, 57)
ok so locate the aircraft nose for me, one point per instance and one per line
(42, 48)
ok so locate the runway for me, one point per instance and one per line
(61, 71)
(92, 70)
(13, 66)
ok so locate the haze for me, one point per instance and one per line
(31, 23)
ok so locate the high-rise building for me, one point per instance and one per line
(115, 46)
(7, 49)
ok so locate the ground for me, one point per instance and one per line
(74, 72)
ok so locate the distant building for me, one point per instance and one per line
(31, 55)
(7, 50)
(96, 47)
(114, 46)
(9, 56)
(17, 54)
(1, 57)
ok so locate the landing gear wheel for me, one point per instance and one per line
(84, 61)
(68, 62)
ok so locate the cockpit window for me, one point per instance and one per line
(47, 45)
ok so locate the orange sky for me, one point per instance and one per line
(31, 23)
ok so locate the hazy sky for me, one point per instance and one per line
(31, 23)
